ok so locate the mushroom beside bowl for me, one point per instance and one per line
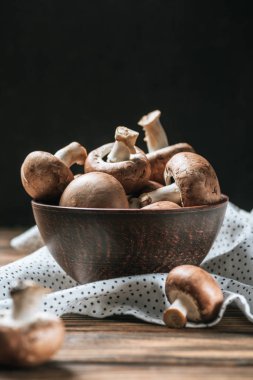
(98, 244)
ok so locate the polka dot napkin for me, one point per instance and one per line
(230, 261)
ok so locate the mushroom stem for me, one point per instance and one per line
(74, 153)
(155, 135)
(119, 153)
(175, 315)
(123, 147)
(26, 297)
(166, 193)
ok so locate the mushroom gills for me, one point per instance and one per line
(133, 174)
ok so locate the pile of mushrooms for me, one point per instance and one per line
(120, 175)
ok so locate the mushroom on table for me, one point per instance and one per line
(196, 182)
(28, 337)
(194, 296)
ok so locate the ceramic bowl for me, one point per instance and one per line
(97, 244)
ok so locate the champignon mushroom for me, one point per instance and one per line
(163, 205)
(194, 295)
(155, 135)
(132, 173)
(94, 190)
(28, 337)
(195, 184)
(158, 159)
(45, 176)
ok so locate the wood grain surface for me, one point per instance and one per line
(126, 348)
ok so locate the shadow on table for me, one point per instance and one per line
(47, 371)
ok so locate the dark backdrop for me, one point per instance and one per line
(73, 70)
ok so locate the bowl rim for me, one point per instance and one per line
(54, 208)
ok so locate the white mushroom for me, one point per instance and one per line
(194, 295)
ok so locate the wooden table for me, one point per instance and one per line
(125, 348)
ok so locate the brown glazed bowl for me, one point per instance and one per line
(97, 244)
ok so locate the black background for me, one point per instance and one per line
(73, 70)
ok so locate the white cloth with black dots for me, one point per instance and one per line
(230, 260)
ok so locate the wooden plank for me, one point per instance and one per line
(233, 322)
(6, 234)
(126, 372)
(8, 254)
(141, 348)
(127, 340)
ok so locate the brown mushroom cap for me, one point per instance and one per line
(94, 190)
(200, 289)
(158, 159)
(132, 174)
(162, 205)
(31, 344)
(44, 176)
(195, 177)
